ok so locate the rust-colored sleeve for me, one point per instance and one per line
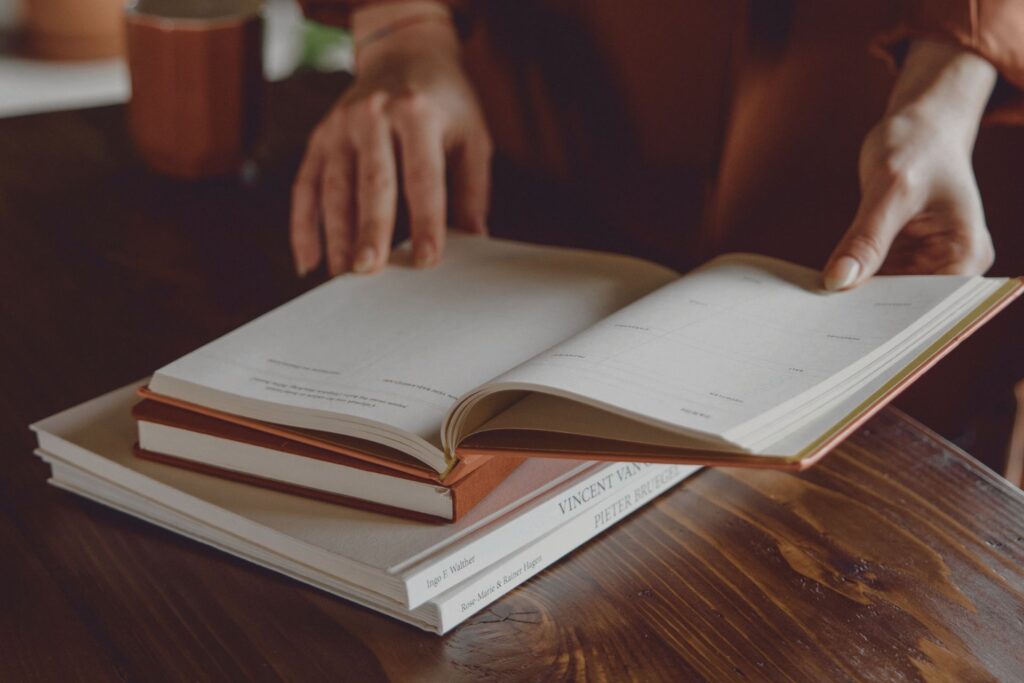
(993, 29)
(338, 12)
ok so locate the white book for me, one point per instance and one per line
(441, 613)
(402, 562)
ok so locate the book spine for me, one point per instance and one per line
(428, 581)
(461, 602)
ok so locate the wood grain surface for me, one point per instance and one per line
(899, 558)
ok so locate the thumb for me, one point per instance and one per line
(862, 250)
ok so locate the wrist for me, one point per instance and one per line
(943, 86)
(383, 29)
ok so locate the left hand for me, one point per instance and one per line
(920, 210)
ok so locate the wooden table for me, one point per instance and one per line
(899, 558)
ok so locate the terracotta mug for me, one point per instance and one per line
(197, 83)
(73, 29)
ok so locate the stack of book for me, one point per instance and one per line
(431, 575)
(422, 441)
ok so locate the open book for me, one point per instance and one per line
(512, 350)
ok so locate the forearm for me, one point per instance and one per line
(945, 85)
(379, 29)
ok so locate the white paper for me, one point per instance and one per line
(735, 342)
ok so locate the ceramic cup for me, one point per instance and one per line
(197, 83)
(73, 29)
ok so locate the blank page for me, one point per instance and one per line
(740, 337)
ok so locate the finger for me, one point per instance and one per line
(862, 250)
(472, 184)
(376, 187)
(423, 174)
(336, 192)
(305, 213)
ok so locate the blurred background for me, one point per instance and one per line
(68, 54)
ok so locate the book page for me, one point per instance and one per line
(397, 349)
(715, 351)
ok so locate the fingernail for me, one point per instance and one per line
(424, 254)
(842, 274)
(365, 260)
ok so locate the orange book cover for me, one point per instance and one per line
(467, 489)
(399, 463)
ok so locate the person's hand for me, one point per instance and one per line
(411, 113)
(920, 210)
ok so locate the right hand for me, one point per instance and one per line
(411, 105)
(920, 210)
